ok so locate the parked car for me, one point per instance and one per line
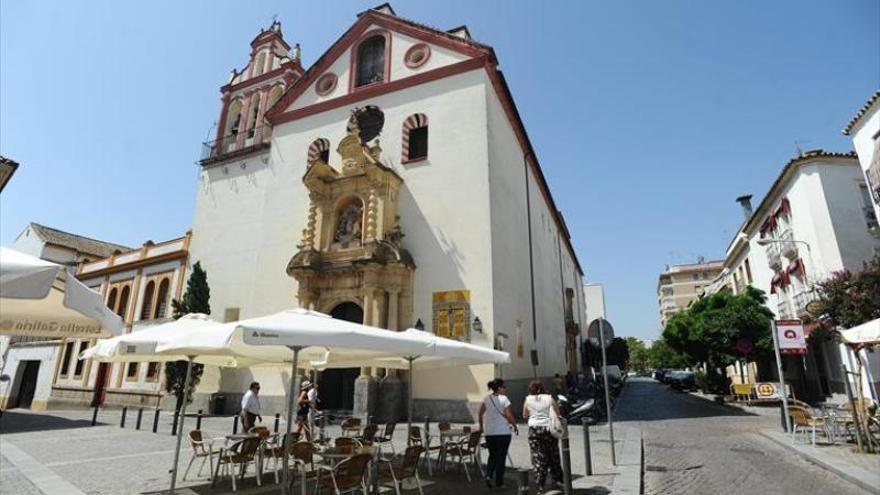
(659, 373)
(682, 380)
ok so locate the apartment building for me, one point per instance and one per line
(810, 224)
(864, 128)
(679, 285)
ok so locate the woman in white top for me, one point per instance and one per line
(496, 422)
(543, 445)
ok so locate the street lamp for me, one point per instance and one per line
(478, 325)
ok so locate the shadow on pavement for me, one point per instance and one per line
(648, 400)
(16, 422)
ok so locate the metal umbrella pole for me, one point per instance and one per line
(409, 394)
(294, 393)
(179, 431)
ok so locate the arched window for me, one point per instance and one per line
(260, 63)
(370, 61)
(320, 148)
(415, 138)
(162, 299)
(252, 115)
(123, 302)
(274, 95)
(111, 299)
(147, 305)
(233, 118)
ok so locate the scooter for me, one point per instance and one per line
(574, 412)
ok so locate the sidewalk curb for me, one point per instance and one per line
(849, 476)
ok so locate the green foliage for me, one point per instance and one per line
(194, 300)
(712, 329)
(661, 355)
(639, 357)
(197, 296)
(849, 299)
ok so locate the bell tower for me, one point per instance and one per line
(273, 66)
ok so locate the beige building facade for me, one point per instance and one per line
(679, 285)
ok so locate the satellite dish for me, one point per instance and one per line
(369, 121)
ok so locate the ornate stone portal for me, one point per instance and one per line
(351, 247)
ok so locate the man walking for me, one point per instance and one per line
(250, 407)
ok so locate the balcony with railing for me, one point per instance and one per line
(783, 309)
(236, 144)
(788, 247)
(801, 300)
(774, 255)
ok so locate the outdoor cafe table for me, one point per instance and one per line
(335, 455)
(444, 436)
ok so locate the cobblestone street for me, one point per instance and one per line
(693, 446)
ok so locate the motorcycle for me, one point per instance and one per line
(575, 411)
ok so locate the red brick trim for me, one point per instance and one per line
(376, 90)
(280, 71)
(412, 50)
(352, 64)
(366, 20)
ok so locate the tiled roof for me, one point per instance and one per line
(861, 112)
(82, 244)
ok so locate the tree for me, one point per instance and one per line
(662, 355)
(194, 300)
(639, 357)
(849, 299)
(721, 328)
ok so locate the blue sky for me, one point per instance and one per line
(649, 118)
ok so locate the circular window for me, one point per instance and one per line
(326, 84)
(417, 55)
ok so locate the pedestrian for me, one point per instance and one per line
(250, 407)
(537, 408)
(496, 423)
(557, 384)
(304, 408)
(313, 405)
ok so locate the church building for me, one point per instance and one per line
(392, 183)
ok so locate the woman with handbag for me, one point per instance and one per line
(496, 427)
(544, 430)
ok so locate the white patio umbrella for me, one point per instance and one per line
(143, 345)
(315, 333)
(867, 333)
(438, 352)
(40, 299)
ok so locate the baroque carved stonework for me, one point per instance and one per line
(351, 248)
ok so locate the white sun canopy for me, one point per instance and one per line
(866, 333)
(40, 299)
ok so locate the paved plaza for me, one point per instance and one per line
(107, 459)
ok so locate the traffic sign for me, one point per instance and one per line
(593, 332)
(791, 337)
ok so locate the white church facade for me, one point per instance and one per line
(393, 182)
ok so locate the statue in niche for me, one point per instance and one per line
(348, 227)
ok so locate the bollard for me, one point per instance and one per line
(95, 416)
(156, 421)
(235, 425)
(199, 420)
(522, 481)
(174, 423)
(588, 455)
(137, 425)
(566, 459)
(277, 419)
(122, 421)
